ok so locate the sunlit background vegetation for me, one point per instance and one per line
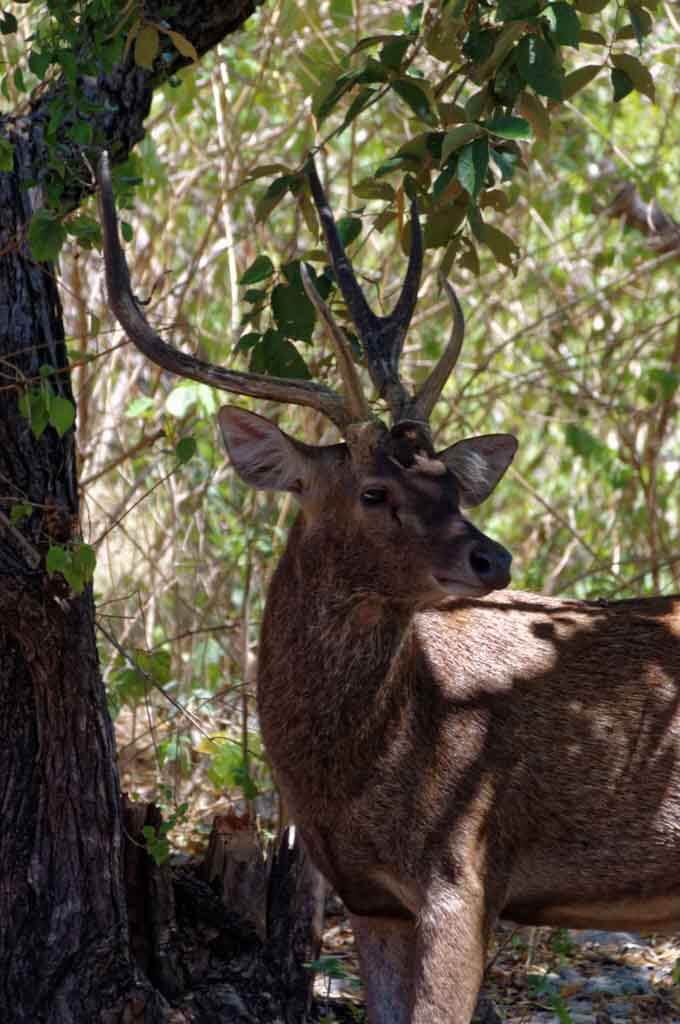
(573, 344)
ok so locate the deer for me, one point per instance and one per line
(453, 752)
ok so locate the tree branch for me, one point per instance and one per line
(121, 99)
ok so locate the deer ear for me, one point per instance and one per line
(261, 454)
(478, 463)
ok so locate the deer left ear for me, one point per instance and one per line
(478, 463)
(261, 454)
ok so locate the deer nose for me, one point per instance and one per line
(490, 562)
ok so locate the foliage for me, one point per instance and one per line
(76, 563)
(515, 141)
(157, 840)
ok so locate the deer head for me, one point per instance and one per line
(393, 499)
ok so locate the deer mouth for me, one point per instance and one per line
(454, 587)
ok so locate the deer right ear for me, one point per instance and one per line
(261, 454)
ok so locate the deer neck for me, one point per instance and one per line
(335, 656)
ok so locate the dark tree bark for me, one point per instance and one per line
(64, 939)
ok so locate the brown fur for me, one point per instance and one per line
(450, 762)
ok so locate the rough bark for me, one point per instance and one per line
(65, 956)
(203, 946)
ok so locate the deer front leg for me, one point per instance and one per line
(449, 958)
(386, 950)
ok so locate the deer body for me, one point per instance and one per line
(452, 751)
(525, 748)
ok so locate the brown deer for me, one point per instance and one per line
(452, 752)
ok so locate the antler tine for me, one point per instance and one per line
(427, 397)
(138, 330)
(400, 317)
(356, 401)
(364, 318)
(382, 337)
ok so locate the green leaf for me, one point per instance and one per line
(443, 180)
(585, 444)
(39, 63)
(369, 188)
(81, 132)
(341, 10)
(57, 559)
(592, 38)
(442, 224)
(126, 231)
(506, 163)
(349, 228)
(394, 51)
(472, 166)
(84, 560)
(511, 10)
(413, 18)
(372, 72)
(33, 407)
(668, 381)
(590, 6)
(458, 137)
(476, 106)
(147, 43)
(639, 75)
(539, 67)
(224, 765)
(185, 449)
(182, 44)
(293, 312)
(181, 399)
(20, 511)
(361, 100)
(140, 407)
(157, 664)
(508, 127)
(531, 107)
(278, 356)
(6, 155)
(640, 23)
(416, 97)
(8, 24)
(579, 79)
(46, 235)
(621, 84)
(259, 270)
(469, 259)
(85, 229)
(504, 248)
(327, 100)
(494, 198)
(273, 196)
(62, 414)
(565, 23)
(248, 341)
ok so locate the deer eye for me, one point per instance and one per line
(374, 496)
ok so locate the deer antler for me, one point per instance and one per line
(426, 399)
(381, 336)
(357, 402)
(137, 328)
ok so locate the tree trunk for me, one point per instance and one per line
(64, 943)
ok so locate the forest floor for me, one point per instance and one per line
(540, 976)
